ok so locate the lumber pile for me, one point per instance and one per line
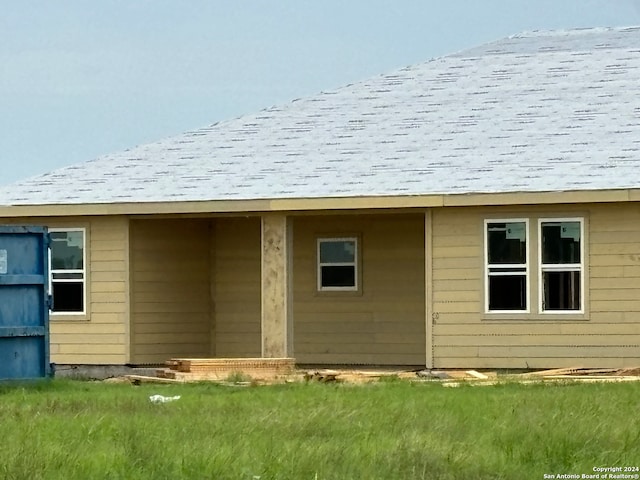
(198, 369)
(572, 374)
(269, 370)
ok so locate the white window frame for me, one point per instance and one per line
(487, 267)
(560, 267)
(82, 271)
(355, 265)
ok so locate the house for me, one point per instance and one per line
(478, 210)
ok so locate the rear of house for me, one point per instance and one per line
(462, 287)
(478, 210)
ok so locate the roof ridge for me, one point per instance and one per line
(572, 31)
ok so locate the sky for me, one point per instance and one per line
(80, 79)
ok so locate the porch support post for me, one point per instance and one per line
(430, 315)
(274, 286)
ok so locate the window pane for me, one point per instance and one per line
(66, 251)
(507, 243)
(337, 251)
(68, 297)
(560, 242)
(508, 292)
(561, 290)
(338, 276)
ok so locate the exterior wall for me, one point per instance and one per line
(171, 289)
(174, 276)
(236, 287)
(100, 336)
(384, 323)
(606, 335)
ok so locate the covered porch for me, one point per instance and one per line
(233, 287)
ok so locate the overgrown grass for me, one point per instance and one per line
(394, 430)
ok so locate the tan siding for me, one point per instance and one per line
(538, 341)
(608, 334)
(170, 296)
(118, 276)
(100, 324)
(382, 324)
(109, 294)
(104, 301)
(525, 328)
(236, 270)
(537, 363)
(537, 357)
(99, 337)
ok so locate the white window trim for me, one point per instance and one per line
(355, 265)
(561, 267)
(527, 273)
(83, 271)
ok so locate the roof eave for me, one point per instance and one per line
(323, 204)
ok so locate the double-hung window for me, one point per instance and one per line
(338, 264)
(507, 265)
(559, 255)
(561, 264)
(67, 267)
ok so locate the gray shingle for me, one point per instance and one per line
(540, 111)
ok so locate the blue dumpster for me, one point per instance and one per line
(24, 302)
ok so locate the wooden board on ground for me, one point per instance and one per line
(594, 378)
(572, 371)
(145, 379)
(476, 374)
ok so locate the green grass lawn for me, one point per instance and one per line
(386, 430)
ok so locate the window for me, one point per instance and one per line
(561, 265)
(337, 264)
(67, 265)
(506, 261)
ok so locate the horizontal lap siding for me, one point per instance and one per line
(385, 323)
(100, 337)
(171, 289)
(615, 269)
(104, 338)
(608, 336)
(236, 273)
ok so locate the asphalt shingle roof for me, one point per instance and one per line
(536, 112)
